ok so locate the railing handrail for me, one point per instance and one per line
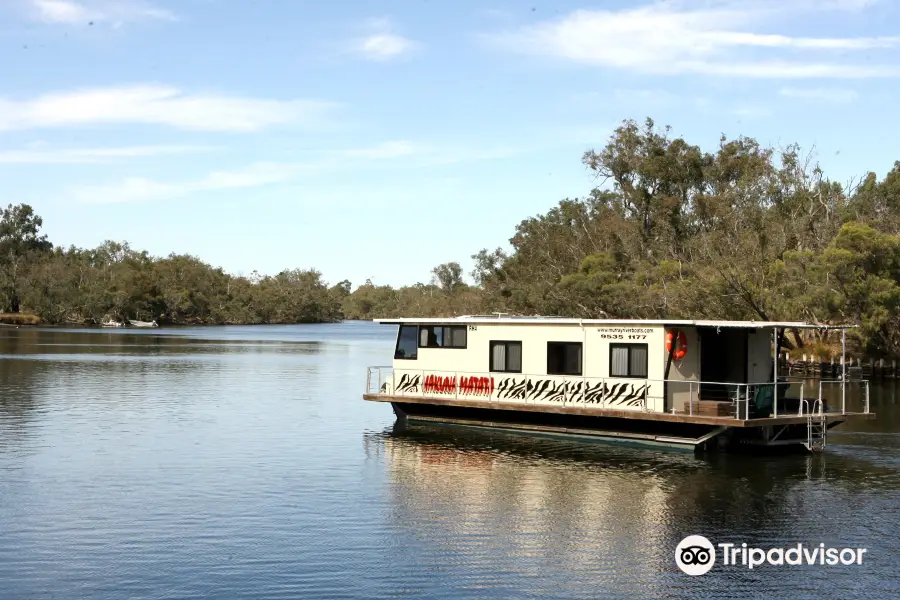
(691, 381)
(818, 406)
(741, 398)
(511, 374)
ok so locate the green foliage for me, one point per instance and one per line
(113, 280)
(742, 233)
(20, 244)
(448, 277)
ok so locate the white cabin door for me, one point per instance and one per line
(759, 356)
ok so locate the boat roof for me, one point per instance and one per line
(502, 319)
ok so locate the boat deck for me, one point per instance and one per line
(785, 419)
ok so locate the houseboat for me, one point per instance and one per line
(697, 385)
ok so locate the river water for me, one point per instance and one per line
(241, 462)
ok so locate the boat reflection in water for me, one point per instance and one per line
(575, 519)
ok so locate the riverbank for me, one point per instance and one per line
(18, 319)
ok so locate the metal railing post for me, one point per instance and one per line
(775, 369)
(737, 405)
(867, 397)
(747, 401)
(843, 371)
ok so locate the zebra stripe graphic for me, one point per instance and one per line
(409, 383)
(510, 389)
(626, 394)
(585, 393)
(546, 390)
(623, 394)
(582, 392)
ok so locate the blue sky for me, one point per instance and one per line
(379, 139)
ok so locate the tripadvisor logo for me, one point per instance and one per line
(696, 555)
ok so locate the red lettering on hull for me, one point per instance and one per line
(468, 386)
(476, 386)
(435, 384)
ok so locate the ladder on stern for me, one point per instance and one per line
(816, 432)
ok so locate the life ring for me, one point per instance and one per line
(680, 344)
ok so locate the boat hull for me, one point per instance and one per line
(692, 437)
(683, 436)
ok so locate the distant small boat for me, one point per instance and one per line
(110, 323)
(145, 324)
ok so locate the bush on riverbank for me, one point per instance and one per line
(19, 319)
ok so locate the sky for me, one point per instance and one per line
(376, 140)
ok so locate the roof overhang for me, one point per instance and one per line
(480, 320)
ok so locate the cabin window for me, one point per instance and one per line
(442, 336)
(406, 343)
(563, 358)
(628, 360)
(506, 357)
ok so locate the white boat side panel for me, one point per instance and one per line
(466, 372)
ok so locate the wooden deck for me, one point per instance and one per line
(831, 417)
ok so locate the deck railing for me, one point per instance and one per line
(738, 400)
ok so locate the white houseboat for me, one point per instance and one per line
(698, 385)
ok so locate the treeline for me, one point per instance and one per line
(114, 281)
(671, 231)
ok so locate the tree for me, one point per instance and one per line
(20, 239)
(448, 277)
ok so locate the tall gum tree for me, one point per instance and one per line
(20, 240)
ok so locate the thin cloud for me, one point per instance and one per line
(114, 12)
(669, 39)
(408, 154)
(139, 189)
(823, 95)
(58, 11)
(386, 150)
(752, 112)
(158, 105)
(395, 154)
(61, 156)
(382, 44)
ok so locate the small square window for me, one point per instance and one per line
(506, 357)
(628, 360)
(563, 358)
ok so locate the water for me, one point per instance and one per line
(242, 463)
